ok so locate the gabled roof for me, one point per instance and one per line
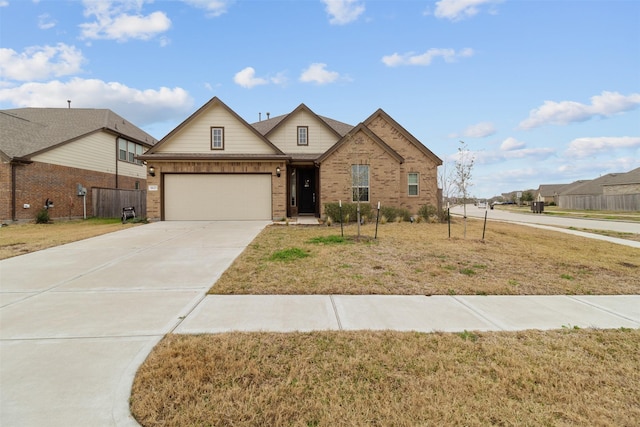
(213, 101)
(265, 127)
(348, 138)
(412, 139)
(590, 187)
(550, 190)
(25, 132)
(631, 177)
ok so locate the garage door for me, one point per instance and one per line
(217, 197)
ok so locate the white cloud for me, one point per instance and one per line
(317, 73)
(343, 11)
(247, 78)
(40, 62)
(4, 3)
(141, 107)
(410, 58)
(479, 130)
(213, 8)
(520, 153)
(583, 147)
(114, 22)
(511, 143)
(561, 113)
(456, 10)
(45, 22)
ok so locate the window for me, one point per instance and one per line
(413, 184)
(217, 138)
(303, 135)
(128, 150)
(360, 182)
(132, 152)
(122, 149)
(139, 152)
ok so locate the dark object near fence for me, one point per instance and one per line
(128, 213)
(537, 207)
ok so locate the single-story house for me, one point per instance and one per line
(51, 154)
(217, 166)
(548, 193)
(624, 183)
(613, 191)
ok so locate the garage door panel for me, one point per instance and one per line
(206, 197)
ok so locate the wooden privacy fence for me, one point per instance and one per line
(108, 202)
(617, 202)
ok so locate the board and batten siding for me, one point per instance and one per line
(196, 136)
(320, 138)
(95, 152)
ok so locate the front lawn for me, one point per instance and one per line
(420, 259)
(20, 239)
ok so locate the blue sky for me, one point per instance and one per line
(541, 91)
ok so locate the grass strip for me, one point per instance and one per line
(562, 377)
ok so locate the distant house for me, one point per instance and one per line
(215, 165)
(626, 183)
(621, 194)
(52, 153)
(548, 193)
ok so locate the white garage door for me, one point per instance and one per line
(217, 197)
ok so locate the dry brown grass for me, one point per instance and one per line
(19, 239)
(417, 259)
(565, 377)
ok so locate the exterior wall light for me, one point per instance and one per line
(152, 171)
(278, 171)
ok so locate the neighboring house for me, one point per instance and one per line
(50, 153)
(548, 193)
(215, 165)
(626, 183)
(590, 194)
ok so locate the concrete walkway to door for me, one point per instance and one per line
(76, 321)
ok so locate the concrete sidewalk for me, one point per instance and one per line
(287, 313)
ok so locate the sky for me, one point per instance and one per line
(539, 92)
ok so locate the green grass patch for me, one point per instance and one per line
(290, 254)
(328, 240)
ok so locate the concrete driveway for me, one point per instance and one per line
(76, 321)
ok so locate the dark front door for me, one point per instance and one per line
(307, 188)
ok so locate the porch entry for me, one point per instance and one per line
(304, 191)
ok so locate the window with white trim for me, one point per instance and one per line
(413, 180)
(303, 135)
(217, 138)
(360, 182)
(128, 150)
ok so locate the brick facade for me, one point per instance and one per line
(388, 179)
(278, 188)
(414, 162)
(36, 182)
(335, 173)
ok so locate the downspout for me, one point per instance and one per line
(117, 154)
(13, 191)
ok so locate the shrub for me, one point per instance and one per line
(395, 214)
(349, 211)
(42, 217)
(431, 214)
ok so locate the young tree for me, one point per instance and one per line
(462, 181)
(445, 181)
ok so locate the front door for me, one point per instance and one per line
(307, 189)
